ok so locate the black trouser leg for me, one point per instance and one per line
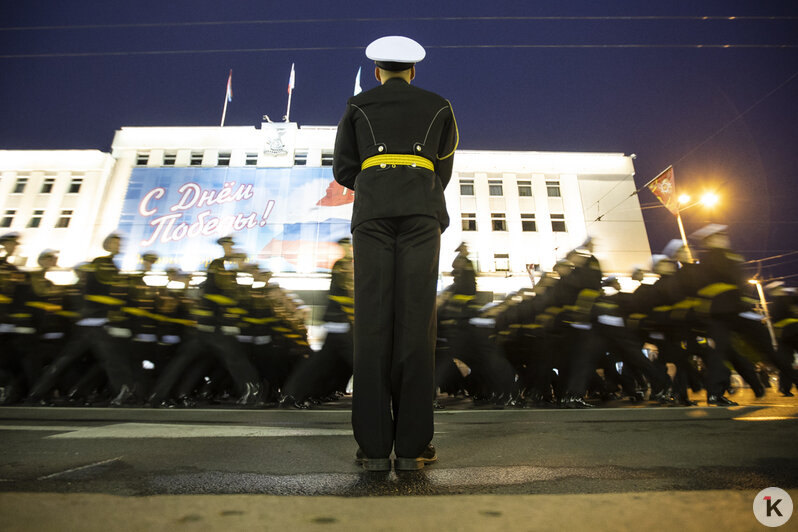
(396, 268)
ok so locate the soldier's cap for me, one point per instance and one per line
(656, 259)
(708, 230)
(225, 240)
(672, 247)
(775, 285)
(563, 262)
(345, 241)
(588, 241)
(108, 239)
(461, 247)
(609, 281)
(10, 237)
(395, 53)
(149, 256)
(45, 254)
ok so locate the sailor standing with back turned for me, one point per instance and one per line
(394, 148)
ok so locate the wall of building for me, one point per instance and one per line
(588, 185)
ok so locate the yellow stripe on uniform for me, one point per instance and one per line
(397, 159)
(104, 300)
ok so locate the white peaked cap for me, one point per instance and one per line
(672, 247)
(708, 230)
(395, 49)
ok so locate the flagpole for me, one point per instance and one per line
(227, 94)
(684, 237)
(290, 93)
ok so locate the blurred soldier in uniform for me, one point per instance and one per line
(217, 315)
(394, 148)
(11, 379)
(464, 274)
(784, 315)
(328, 371)
(722, 281)
(103, 297)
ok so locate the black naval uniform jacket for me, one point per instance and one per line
(399, 119)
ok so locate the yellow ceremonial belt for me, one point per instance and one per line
(104, 300)
(396, 159)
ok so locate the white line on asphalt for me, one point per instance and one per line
(164, 430)
(87, 466)
(43, 428)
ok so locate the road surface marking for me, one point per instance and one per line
(74, 469)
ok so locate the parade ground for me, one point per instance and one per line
(616, 467)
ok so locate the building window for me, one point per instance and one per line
(8, 218)
(300, 158)
(142, 158)
(169, 158)
(64, 220)
(553, 189)
(558, 223)
(36, 219)
(525, 188)
(74, 186)
(252, 159)
(495, 188)
(528, 222)
(466, 187)
(469, 221)
(196, 158)
(326, 159)
(224, 158)
(47, 186)
(502, 262)
(19, 186)
(498, 221)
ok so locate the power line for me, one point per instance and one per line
(771, 258)
(623, 18)
(433, 46)
(713, 135)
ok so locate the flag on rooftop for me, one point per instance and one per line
(229, 94)
(358, 89)
(291, 80)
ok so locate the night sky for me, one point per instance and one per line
(709, 87)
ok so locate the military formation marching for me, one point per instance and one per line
(575, 340)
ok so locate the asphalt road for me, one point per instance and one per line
(621, 449)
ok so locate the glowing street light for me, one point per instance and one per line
(710, 199)
(684, 199)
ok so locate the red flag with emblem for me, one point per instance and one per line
(664, 188)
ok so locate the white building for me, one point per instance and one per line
(512, 208)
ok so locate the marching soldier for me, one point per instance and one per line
(328, 371)
(102, 301)
(394, 148)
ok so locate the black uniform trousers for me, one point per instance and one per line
(396, 271)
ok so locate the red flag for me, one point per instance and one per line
(664, 188)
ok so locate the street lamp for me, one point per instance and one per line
(765, 310)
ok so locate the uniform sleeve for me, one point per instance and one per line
(346, 158)
(448, 144)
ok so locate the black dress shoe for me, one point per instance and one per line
(372, 464)
(428, 456)
(576, 402)
(787, 394)
(720, 400)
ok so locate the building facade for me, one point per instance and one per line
(176, 189)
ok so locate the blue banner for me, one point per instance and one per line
(286, 219)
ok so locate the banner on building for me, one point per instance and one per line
(286, 219)
(664, 188)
